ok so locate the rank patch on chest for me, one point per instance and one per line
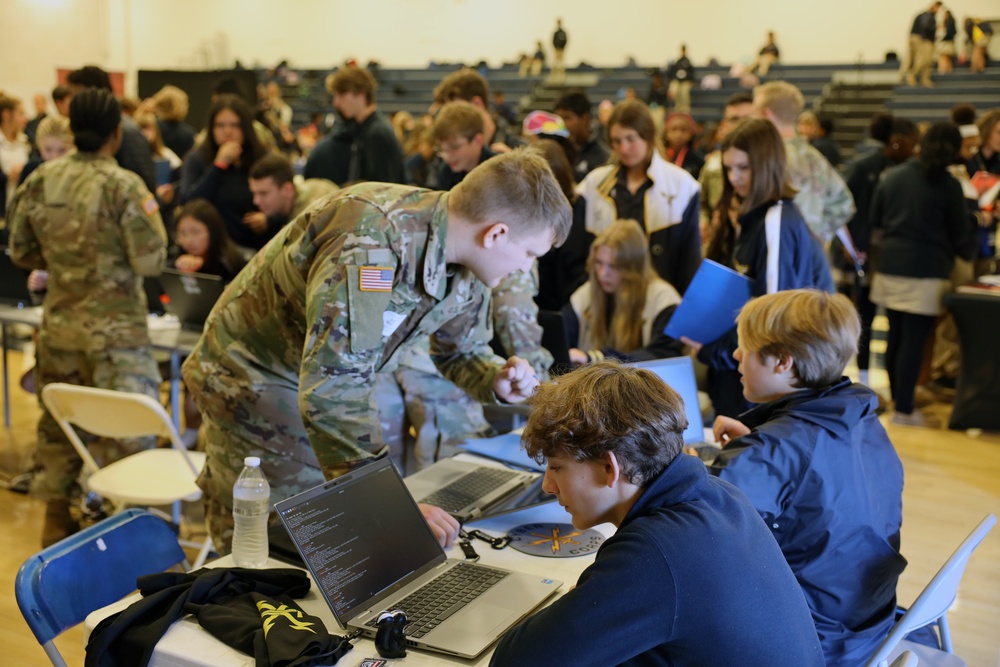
(375, 279)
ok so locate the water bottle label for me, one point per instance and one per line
(251, 507)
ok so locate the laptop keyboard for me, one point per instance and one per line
(468, 488)
(432, 604)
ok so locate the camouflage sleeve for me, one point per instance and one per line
(838, 203)
(515, 319)
(460, 348)
(337, 373)
(142, 229)
(25, 249)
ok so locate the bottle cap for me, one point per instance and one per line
(252, 461)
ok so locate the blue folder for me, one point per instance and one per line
(710, 304)
(162, 170)
(505, 448)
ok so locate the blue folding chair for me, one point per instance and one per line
(59, 586)
(932, 606)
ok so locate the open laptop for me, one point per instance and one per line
(13, 282)
(370, 550)
(192, 296)
(468, 490)
(678, 373)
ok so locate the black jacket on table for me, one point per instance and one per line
(924, 223)
(820, 469)
(354, 152)
(692, 577)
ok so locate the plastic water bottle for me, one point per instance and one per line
(251, 506)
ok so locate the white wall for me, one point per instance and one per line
(41, 35)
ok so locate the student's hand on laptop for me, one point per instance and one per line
(189, 263)
(256, 221)
(693, 344)
(727, 428)
(443, 525)
(515, 381)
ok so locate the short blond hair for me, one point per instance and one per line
(819, 331)
(54, 126)
(783, 99)
(171, 103)
(458, 119)
(517, 189)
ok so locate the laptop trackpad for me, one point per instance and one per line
(480, 619)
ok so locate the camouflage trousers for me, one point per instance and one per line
(442, 415)
(57, 463)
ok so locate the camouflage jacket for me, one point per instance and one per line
(823, 197)
(328, 303)
(515, 319)
(309, 191)
(97, 230)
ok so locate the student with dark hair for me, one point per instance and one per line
(763, 236)
(640, 185)
(278, 196)
(817, 464)
(217, 170)
(205, 245)
(575, 110)
(920, 210)
(862, 176)
(739, 106)
(691, 575)
(134, 153)
(564, 268)
(96, 229)
(469, 85)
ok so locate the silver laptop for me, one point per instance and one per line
(468, 490)
(369, 550)
(678, 373)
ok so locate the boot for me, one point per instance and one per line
(58, 522)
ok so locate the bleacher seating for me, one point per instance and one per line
(851, 92)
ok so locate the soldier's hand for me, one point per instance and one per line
(256, 221)
(515, 381)
(443, 525)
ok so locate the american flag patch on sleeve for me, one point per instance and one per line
(149, 205)
(376, 279)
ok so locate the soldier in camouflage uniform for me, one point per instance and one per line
(442, 415)
(823, 198)
(96, 229)
(286, 369)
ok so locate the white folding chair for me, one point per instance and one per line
(147, 478)
(932, 605)
(905, 659)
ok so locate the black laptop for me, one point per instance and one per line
(191, 296)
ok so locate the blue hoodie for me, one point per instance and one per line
(821, 471)
(691, 578)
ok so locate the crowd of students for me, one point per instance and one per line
(364, 298)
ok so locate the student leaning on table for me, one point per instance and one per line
(692, 576)
(286, 369)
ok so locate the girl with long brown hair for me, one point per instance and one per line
(622, 310)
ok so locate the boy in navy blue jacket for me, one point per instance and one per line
(814, 460)
(691, 577)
